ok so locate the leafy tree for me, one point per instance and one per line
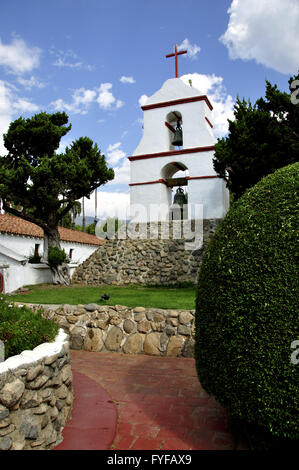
(109, 227)
(113, 222)
(75, 211)
(42, 186)
(66, 220)
(91, 228)
(262, 138)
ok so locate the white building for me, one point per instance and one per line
(20, 239)
(156, 162)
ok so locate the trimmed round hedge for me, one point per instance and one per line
(247, 307)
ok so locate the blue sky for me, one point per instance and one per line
(99, 60)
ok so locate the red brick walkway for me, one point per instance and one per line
(94, 417)
(160, 403)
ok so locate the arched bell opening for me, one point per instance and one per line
(175, 175)
(174, 125)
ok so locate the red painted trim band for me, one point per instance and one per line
(149, 182)
(164, 104)
(211, 125)
(1, 283)
(201, 177)
(165, 182)
(172, 152)
(170, 127)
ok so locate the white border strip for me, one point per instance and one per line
(40, 352)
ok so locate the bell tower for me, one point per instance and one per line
(177, 139)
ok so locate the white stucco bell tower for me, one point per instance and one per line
(156, 161)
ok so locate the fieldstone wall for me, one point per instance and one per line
(119, 328)
(36, 396)
(170, 258)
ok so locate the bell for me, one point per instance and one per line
(180, 197)
(178, 136)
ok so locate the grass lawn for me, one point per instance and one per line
(131, 296)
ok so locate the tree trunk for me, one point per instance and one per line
(95, 207)
(60, 273)
(83, 216)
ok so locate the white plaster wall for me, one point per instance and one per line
(196, 130)
(142, 199)
(209, 193)
(196, 133)
(20, 244)
(173, 89)
(225, 193)
(25, 246)
(150, 169)
(17, 275)
(80, 252)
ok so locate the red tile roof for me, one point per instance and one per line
(17, 226)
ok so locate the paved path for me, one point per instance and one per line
(94, 417)
(160, 405)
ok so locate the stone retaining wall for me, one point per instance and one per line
(118, 328)
(168, 259)
(36, 396)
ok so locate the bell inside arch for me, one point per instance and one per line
(180, 197)
(178, 136)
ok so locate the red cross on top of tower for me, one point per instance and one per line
(176, 54)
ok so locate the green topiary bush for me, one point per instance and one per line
(56, 256)
(247, 307)
(21, 329)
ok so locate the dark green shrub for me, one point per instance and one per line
(56, 256)
(34, 259)
(21, 329)
(247, 307)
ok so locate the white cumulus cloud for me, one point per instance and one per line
(10, 106)
(18, 58)
(192, 49)
(31, 82)
(5, 112)
(122, 173)
(60, 62)
(81, 100)
(142, 100)
(22, 105)
(266, 31)
(109, 204)
(115, 153)
(69, 59)
(223, 103)
(125, 79)
(105, 99)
